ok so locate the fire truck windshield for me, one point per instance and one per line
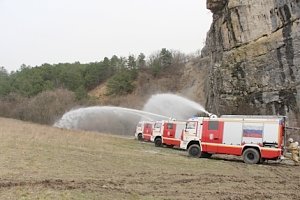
(157, 125)
(191, 125)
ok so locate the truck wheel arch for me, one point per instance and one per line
(140, 136)
(251, 146)
(193, 142)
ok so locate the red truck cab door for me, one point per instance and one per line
(169, 130)
(169, 134)
(212, 135)
(147, 131)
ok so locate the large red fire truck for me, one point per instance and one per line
(168, 133)
(144, 130)
(255, 138)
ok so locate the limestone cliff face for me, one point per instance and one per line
(254, 52)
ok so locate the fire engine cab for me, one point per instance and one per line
(168, 133)
(144, 130)
(255, 138)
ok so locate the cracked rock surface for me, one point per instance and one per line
(254, 52)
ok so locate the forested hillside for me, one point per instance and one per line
(43, 93)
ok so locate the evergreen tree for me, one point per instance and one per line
(141, 63)
(131, 62)
(4, 82)
(121, 83)
(165, 57)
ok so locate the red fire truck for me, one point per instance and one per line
(144, 130)
(255, 138)
(168, 133)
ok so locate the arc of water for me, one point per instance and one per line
(148, 118)
(72, 117)
(141, 113)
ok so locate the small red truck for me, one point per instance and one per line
(144, 130)
(255, 138)
(168, 133)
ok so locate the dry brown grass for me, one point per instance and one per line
(41, 162)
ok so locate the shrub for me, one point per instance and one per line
(121, 83)
(45, 107)
(9, 103)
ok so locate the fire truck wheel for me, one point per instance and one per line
(158, 142)
(251, 156)
(140, 137)
(194, 151)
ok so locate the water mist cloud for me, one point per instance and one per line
(122, 121)
(173, 106)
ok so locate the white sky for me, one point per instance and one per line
(52, 31)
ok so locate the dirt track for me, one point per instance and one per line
(40, 162)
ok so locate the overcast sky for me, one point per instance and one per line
(52, 31)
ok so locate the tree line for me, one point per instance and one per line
(44, 93)
(119, 72)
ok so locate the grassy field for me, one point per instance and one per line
(41, 162)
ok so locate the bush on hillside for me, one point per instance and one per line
(9, 103)
(45, 107)
(121, 83)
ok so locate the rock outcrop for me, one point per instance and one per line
(254, 52)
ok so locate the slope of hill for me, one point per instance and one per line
(186, 79)
(41, 162)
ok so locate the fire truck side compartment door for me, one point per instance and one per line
(232, 133)
(271, 133)
(252, 133)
